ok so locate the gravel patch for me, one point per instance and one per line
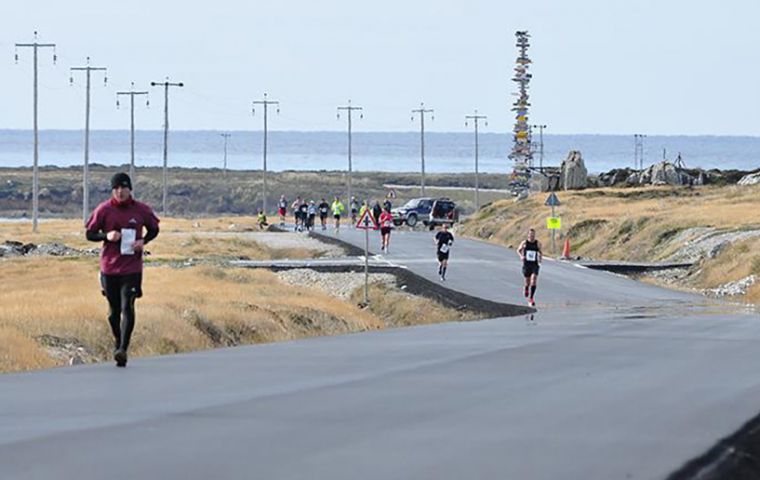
(17, 249)
(732, 289)
(705, 242)
(339, 285)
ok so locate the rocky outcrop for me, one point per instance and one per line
(545, 181)
(750, 179)
(617, 176)
(574, 174)
(663, 173)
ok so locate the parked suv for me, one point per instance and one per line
(442, 211)
(413, 211)
(429, 211)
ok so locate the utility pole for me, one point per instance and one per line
(475, 119)
(86, 170)
(226, 137)
(266, 104)
(422, 111)
(540, 146)
(166, 86)
(35, 46)
(132, 93)
(350, 109)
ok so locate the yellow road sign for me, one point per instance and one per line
(553, 223)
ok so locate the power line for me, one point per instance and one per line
(475, 119)
(35, 46)
(266, 104)
(350, 109)
(166, 86)
(132, 93)
(422, 111)
(86, 170)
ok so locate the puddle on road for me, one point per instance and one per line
(584, 313)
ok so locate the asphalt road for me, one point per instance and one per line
(609, 379)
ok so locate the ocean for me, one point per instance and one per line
(372, 151)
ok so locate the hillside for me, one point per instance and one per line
(716, 228)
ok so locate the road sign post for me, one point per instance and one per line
(366, 222)
(553, 223)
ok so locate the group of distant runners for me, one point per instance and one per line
(124, 226)
(305, 212)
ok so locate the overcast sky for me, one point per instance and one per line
(600, 66)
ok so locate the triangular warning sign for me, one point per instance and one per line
(552, 200)
(367, 221)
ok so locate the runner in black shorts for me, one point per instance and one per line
(443, 241)
(531, 256)
(324, 209)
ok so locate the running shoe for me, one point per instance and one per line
(532, 303)
(120, 356)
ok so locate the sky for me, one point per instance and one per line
(659, 67)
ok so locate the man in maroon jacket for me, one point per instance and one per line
(118, 223)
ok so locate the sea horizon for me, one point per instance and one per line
(445, 152)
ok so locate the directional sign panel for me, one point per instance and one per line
(552, 200)
(367, 221)
(553, 223)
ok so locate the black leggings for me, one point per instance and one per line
(121, 292)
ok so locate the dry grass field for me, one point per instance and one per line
(636, 224)
(50, 306)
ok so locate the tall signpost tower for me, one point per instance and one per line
(522, 153)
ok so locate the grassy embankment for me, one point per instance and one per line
(641, 224)
(47, 302)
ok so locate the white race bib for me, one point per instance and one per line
(128, 237)
(531, 255)
(444, 248)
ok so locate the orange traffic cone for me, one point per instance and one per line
(566, 250)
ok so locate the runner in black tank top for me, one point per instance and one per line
(531, 256)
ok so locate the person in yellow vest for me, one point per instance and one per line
(338, 209)
(262, 220)
(365, 207)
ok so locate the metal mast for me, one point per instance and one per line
(132, 93)
(226, 137)
(541, 129)
(350, 109)
(86, 170)
(422, 111)
(266, 104)
(475, 118)
(166, 86)
(35, 46)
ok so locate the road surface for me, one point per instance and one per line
(609, 379)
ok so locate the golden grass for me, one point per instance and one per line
(182, 310)
(399, 309)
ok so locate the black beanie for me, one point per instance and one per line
(121, 179)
